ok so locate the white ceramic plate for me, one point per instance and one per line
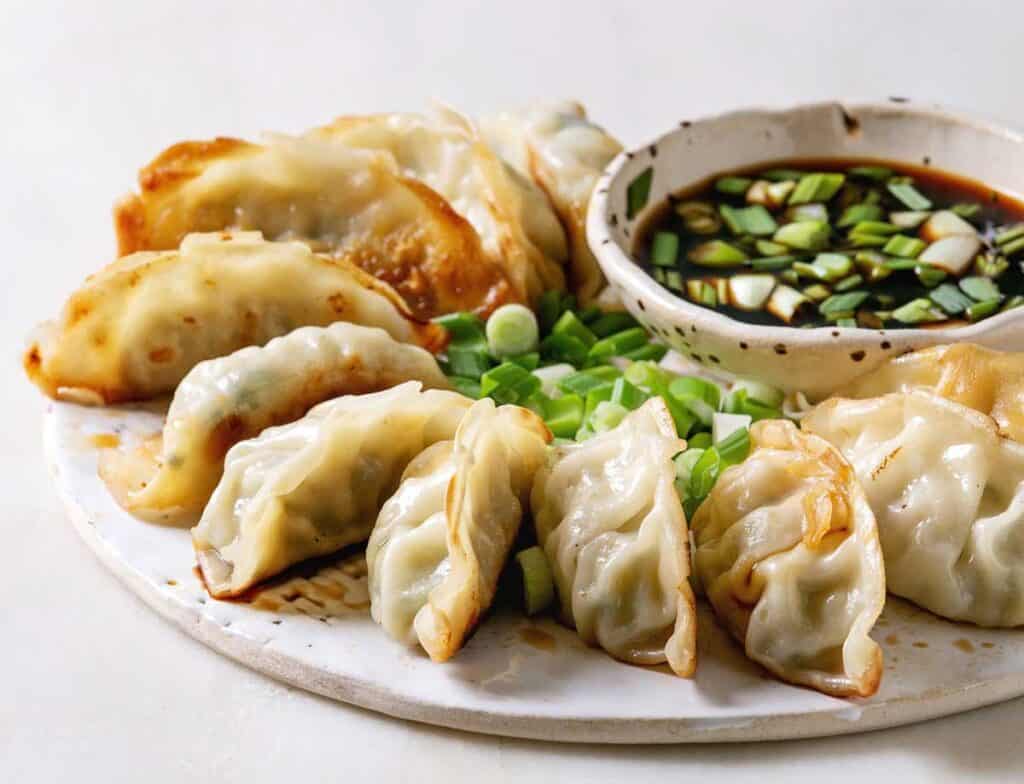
(515, 677)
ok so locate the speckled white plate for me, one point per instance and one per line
(515, 677)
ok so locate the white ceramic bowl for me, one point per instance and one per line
(822, 360)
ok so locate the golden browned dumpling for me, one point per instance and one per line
(139, 325)
(988, 381)
(348, 203)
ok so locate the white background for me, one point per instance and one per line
(93, 687)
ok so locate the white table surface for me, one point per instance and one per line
(93, 686)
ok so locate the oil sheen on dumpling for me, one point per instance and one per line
(517, 226)
(226, 400)
(344, 202)
(988, 381)
(316, 485)
(611, 524)
(441, 541)
(564, 153)
(138, 326)
(787, 553)
(948, 493)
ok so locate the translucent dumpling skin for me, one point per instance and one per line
(788, 555)
(948, 492)
(316, 485)
(610, 521)
(229, 399)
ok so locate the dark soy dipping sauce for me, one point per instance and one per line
(996, 211)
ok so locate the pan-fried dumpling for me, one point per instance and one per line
(344, 202)
(226, 400)
(565, 153)
(948, 493)
(988, 381)
(517, 226)
(139, 325)
(314, 486)
(611, 524)
(441, 541)
(787, 553)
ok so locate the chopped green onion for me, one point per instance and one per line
(652, 351)
(875, 228)
(607, 416)
(511, 382)
(817, 292)
(911, 198)
(859, 213)
(595, 397)
(1013, 302)
(699, 217)
(786, 302)
(808, 212)
(918, 311)
(581, 382)
(849, 282)
(570, 325)
(551, 375)
(929, 276)
(816, 187)
(638, 192)
(526, 361)
(805, 235)
(755, 220)
(717, 253)
(772, 263)
(980, 310)
(703, 398)
(725, 425)
(846, 321)
(563, 415)
(909, 219)
(684, 463)
(733, 186)
(704, 475)
(750, 292)
(873, 173)
(551, 306)
(950, 299)
(538, 582)
(563, 348)
(903, 246)
(628, 395)
(470, 361)
(991, 265)
(1014, 247)
(740, 401)
(469, 387)
(980, 289)
(733, 443)
(511, 330)
(618, 344)
(843, 303)
(759, 392)
(872, 264)
(769, 248)
(462, 326)
(665, 249)
(899, 265)
(649, 376)
(610, 323)
(1009, 234)
(826, 267)
(700, 440)
(867, 240)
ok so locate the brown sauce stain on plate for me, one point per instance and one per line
(920, 644)
(538, 638)
(988, 645)
(964, 645)
(105, 440)
(892, 639)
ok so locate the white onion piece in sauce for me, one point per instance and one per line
(953, 253)
(946, 223)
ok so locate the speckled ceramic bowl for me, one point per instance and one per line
(822, 360)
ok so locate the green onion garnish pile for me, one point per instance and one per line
(865, 246)
(583, 370)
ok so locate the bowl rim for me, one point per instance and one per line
(625, 271)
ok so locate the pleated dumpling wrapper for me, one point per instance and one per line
(441, 542)
(613, 529)
(948, 493)
(564, 153)
(316, 485)
(222, 401)
(787, 553)
(988, 381)
(138, 326)
(516, 223)
(346, 203)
